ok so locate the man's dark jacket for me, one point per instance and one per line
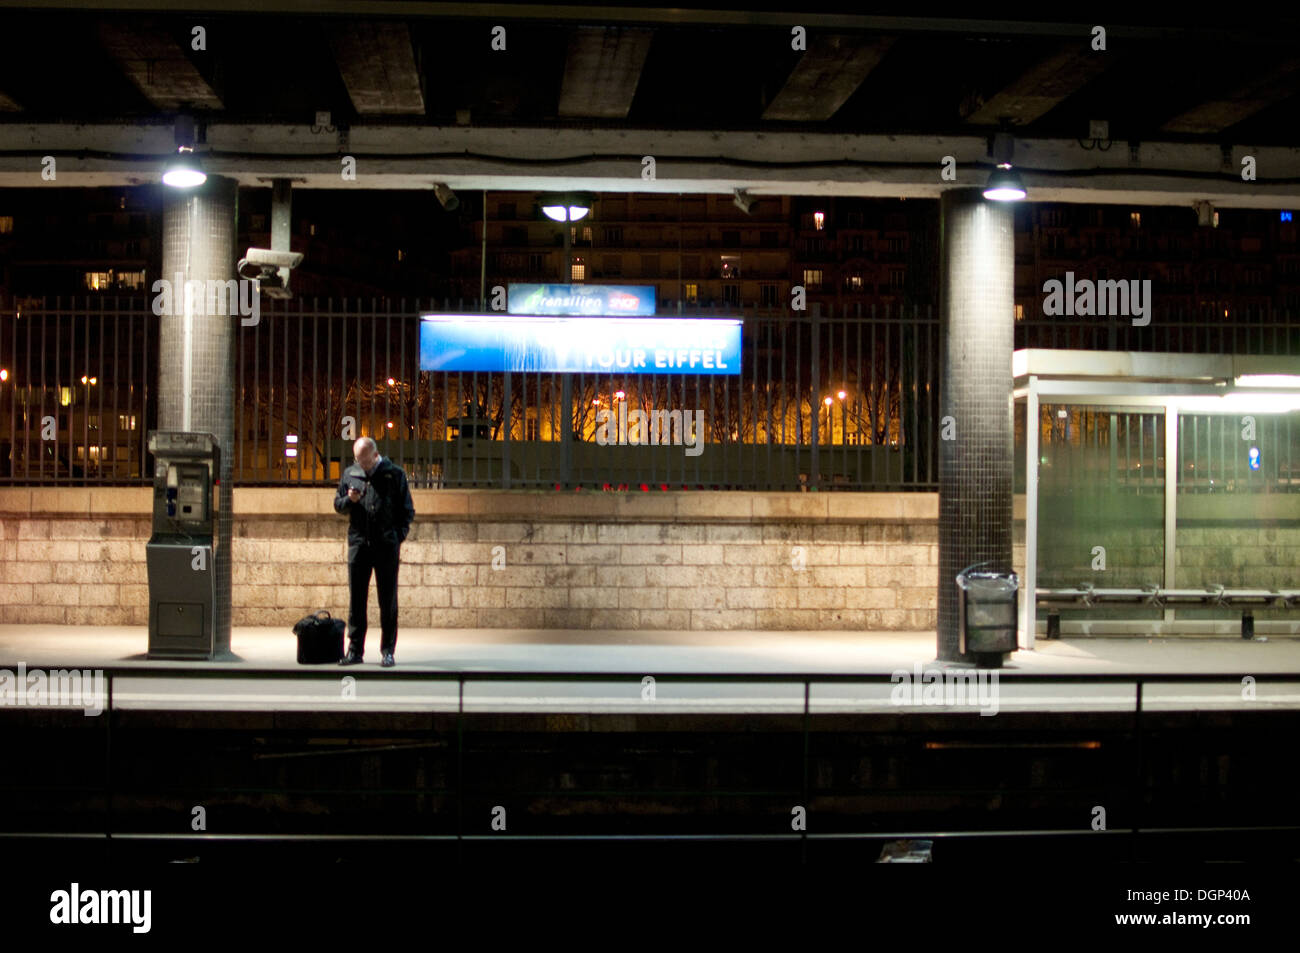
(382, 517)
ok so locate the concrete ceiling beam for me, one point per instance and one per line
(377, 63)
(831, 70)
(601, 71)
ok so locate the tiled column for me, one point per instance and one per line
(196, 369)
(977, 261)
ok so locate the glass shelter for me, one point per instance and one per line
(1162, 492)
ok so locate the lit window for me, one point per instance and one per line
(854, 282)
(730, 266)
(819, 220)
(133, 280)
(692, 292)
(578, 270)
(812, 277)
(7, 223)
(1020, 312)
(126, 421)
(1135, 219)
(401, 255)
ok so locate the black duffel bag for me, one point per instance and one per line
(320, 638)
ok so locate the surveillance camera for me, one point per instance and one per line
(446, 196)
(270, 269)
(273, 259)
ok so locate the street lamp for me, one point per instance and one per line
(569, 207)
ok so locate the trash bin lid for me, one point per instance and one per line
(988, 584)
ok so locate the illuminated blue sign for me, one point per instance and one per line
(494, 342)
(1286, 216)
(581, 300)
(1253, 457)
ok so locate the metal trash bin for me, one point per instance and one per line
(987, 611)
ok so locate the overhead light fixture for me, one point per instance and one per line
(1268, 380)
(567, 208)
(1004, 184)
(744, 201)
(446, 196)
(183, 170)
(1241, 402)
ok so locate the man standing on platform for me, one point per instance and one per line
(375, 495)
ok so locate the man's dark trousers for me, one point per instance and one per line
(384, 560)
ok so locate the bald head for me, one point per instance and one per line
(366, 452)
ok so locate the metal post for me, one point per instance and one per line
(482, 265)
(1028, 606)
(1171, 500)
(566, 386)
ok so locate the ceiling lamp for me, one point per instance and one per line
(183, 171)
(1004, 185)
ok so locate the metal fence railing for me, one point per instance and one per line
(845, 398)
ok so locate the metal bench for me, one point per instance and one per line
(1086, 596)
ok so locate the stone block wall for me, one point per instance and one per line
(509, 559)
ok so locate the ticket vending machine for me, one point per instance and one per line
(181, 551)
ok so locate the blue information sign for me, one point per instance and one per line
(579, 300)
(495, 342)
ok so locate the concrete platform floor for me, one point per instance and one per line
(658, 654)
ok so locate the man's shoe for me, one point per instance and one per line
(352, 658)
(388, 660)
